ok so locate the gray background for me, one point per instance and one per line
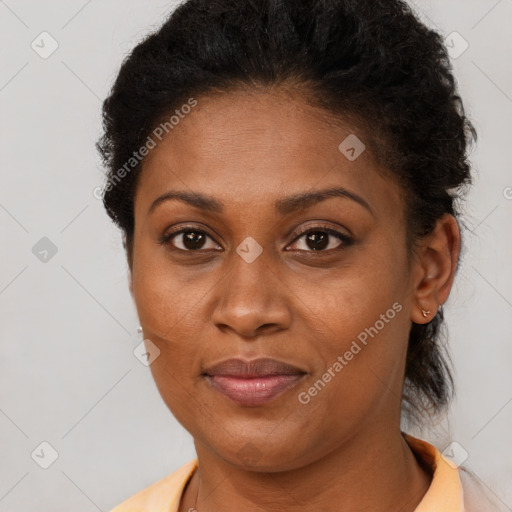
(68, 325)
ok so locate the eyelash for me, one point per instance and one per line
(345, 239)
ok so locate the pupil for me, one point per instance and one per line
(193, 240)
(319, 243)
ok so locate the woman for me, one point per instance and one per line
(285, 175)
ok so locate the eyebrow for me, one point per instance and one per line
(283, 206)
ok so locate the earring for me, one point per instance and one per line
(425, 313)
(139, 329)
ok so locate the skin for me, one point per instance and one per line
(343, 450)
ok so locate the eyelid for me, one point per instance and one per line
(320, 227)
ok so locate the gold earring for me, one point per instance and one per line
(425, 313)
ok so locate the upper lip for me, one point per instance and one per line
(263, 366)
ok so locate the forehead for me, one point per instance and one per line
(245, 147)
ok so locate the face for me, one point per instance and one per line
(323, 285)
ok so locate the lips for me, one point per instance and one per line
(261, 367)
(255, 382)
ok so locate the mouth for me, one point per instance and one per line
(255, 382)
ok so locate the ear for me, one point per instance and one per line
(435, 267)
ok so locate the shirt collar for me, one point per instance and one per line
(445, 491)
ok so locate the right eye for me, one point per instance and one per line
(190, 240)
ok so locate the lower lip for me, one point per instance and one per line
(255, 390)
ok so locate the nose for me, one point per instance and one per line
(252, 299)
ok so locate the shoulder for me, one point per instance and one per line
(456, 484)
(477, 496)
(161, 496)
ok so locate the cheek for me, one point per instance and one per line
(351, 297)
(362, 370)
(359, 316)
(167, 298)
(169, 308)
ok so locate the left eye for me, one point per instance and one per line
(320, 239)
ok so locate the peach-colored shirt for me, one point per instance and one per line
(445, 493)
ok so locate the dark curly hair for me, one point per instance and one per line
(369, 61)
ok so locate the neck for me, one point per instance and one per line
(378, 473)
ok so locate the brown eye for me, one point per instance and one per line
(323, 239)
(189, 240)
